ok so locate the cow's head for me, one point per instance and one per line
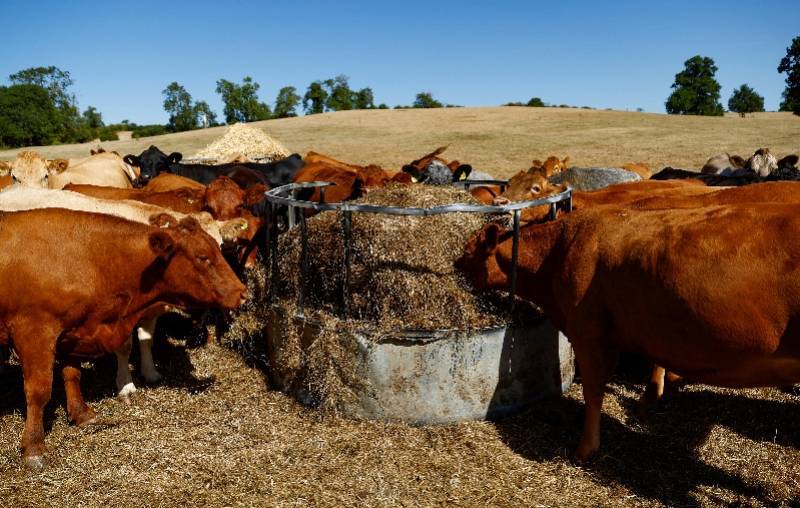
(762, 162)
(193, 269)
(551, 166)
(224, 198)
(526, 186)
(152, 162)
(31, 169)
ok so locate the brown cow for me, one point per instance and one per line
(168, 181)
(105, 276)
(666, 283)
(551, 166)
(183, 200)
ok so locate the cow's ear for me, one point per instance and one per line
(413, 171)
(131, 160)
(788, 162)
(189, 225)
(565, 161)
(162, 220)
(175, 157)
(490, 237)
(462, 172)
(162, 244)
(57, 165)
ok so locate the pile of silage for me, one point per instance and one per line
(401, 273)
(242, 140)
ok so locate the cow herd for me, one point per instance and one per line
(700, 277)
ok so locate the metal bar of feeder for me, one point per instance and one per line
(301, 296)
(278, 195)
(322, 195)
(347, 223)
(292, 209)
(512, 290)
(273, 252)
(553, 211)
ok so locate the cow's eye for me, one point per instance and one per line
(14, 178)
(205, 260)
(536, 189)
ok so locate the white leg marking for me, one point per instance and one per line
(124, 381)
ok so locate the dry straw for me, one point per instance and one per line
(243, 141)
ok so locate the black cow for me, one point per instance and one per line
(153, 162)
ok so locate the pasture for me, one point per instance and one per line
(214, 434)
(499, 140)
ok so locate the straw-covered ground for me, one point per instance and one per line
(214, 434)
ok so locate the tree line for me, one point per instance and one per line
(697, 92)
(38, 108)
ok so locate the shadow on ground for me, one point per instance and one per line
(656, 456)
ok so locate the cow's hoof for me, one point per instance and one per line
(34, 463)
(87, 417)
(152, 378)
(125, 393)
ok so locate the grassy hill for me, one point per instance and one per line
(500, 140)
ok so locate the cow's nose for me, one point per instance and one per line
(244, 297)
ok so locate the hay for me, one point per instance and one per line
(214, 435)
(402, 274)
(402, 277)
(243, 140)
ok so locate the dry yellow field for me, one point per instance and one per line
(215, 434)
(500, 140)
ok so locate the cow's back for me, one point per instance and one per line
(701, 291)
(105, 169)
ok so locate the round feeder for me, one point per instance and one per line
(419, 376)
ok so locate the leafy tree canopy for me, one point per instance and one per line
(696, 91)
(790, 64)
(745, 100)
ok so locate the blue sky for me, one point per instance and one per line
(621, 55)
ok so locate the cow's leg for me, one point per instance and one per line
(77, 410)
(596, 360)
(655, 388)
(146, 332)
(37, 356)
(125, 385)
(3, 358)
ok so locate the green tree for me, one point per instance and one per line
(57, 83)
(535, 102)
(315, 98)
(364, 99)
(178, 103)
(92, 118)
(286, 102)
(426, 100)
(340, 97)
(790, 64)
(204, 116)
(745, 100)
(241, 101)
(28, 116)
(696, 92)
(382, 106)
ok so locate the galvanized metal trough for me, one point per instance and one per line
(435, 376)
